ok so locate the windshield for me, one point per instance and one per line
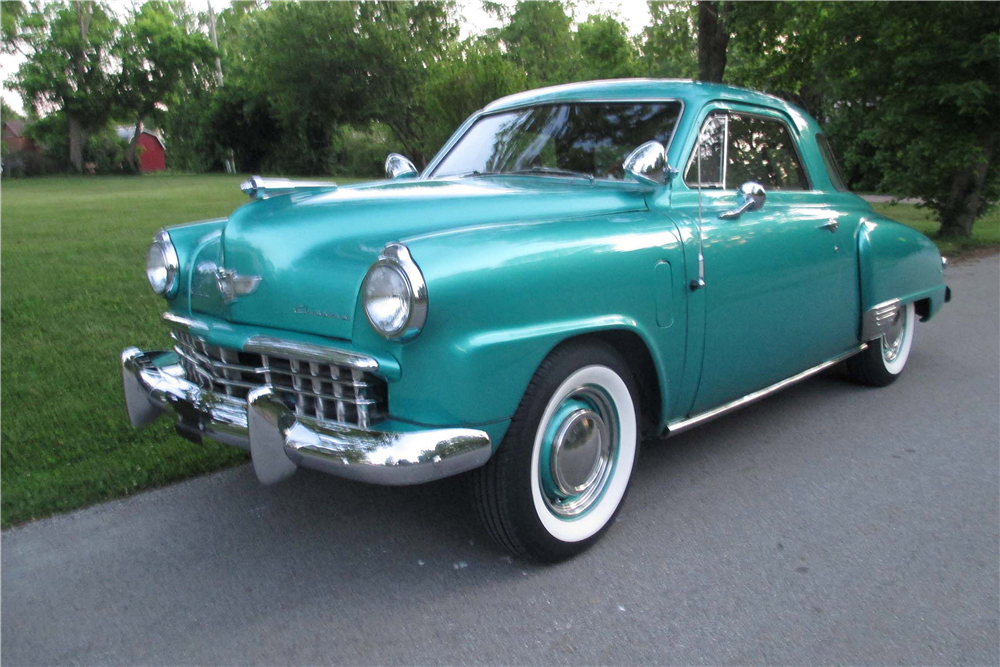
(591, 139)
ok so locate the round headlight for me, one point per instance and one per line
(387, 299)
(394, 294)
(162, 265)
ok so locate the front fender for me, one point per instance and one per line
(501, 300)
(188, 240)
(898, 262)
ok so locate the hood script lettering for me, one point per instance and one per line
(304, 310)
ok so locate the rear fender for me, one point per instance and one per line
(897, 264)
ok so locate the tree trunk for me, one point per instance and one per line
(75, 142)
(84, 11)
(131, 154)
(966, 197)
(713, 39)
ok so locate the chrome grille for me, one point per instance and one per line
(313, 389)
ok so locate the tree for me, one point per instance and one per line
(7, 113)
(669, 42)
(776, 46)
(921, 82)
(159, 51)
(605, 50)
(713, 38)
(67, 64)
(470, 76)
(908, 91)
(538, 37)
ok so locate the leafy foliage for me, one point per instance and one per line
(908, 91)
(905, 90)
(669, 42)
(159, 51)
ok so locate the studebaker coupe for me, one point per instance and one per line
(579, 268)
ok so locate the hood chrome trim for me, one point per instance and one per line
(257, 187)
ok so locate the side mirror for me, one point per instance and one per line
(647, 164)
(397, 166)
(752, 197)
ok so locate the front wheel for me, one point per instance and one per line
(883, 361)
(559, 478)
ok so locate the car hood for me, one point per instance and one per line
(311, 250)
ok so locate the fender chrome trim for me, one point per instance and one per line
(705, 417)
(877, 319)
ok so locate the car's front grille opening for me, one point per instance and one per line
(326, 391)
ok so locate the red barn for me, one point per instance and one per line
(152, 152)
(13, 136)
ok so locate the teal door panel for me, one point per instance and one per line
(781, 294)
(781, 289)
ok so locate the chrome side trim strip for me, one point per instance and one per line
(699, 419)
(309, 352)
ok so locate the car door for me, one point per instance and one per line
(781, 291)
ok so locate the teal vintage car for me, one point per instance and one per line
(580, 268)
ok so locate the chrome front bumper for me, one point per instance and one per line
(280, 442)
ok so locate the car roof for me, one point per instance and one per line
(693, 93)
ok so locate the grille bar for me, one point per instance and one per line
(312, 388)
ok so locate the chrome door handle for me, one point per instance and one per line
(832, 226)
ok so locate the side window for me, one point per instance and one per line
(830, 160)
(707, 159)
(735, 148)
(762, 150)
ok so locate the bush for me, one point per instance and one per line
(19, 164)
(361, 151)
(106, 151)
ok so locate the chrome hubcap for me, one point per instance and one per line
(578, 452)
(892, 339)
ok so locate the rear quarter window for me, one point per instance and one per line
(832, 167)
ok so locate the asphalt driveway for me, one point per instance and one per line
(829, 524)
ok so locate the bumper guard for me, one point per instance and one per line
(280, 442)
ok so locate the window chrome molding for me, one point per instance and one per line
(429, 172)
(778, 117)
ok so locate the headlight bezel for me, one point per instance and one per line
(397, 256)
(162, 242)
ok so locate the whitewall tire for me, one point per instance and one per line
(561, 474)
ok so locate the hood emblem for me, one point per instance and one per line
(233, 285)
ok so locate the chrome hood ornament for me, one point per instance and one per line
(257, 187)
(232, 285)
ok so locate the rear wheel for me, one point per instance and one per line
(559, 478)
(883, 361)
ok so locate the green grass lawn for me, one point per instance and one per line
(985, 233)
(74, 295)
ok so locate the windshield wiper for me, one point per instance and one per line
(474, 172)
(552, 171)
